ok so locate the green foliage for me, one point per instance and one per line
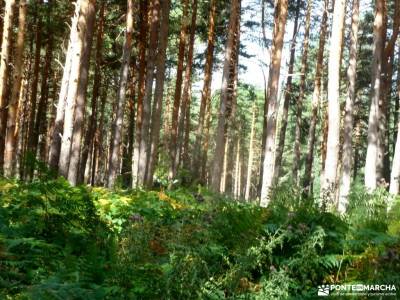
(59, 242)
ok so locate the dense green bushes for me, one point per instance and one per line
(59, 242)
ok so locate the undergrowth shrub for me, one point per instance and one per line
(60, 242)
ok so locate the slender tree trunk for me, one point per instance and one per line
(300, 99)
(34, 89)
(374, 115)
(224, 168)
(44, 96)
(50, 121)
(347, 152)
(159, 90)
(236, 188)
(395, 174)
(315, 100)
(251, 153)
(329, 182)
(280, 16)
(76, 92)
(144, 147)
(287, 96)
(81, 94)
(397, 104)
(98, 150)
(188, 126)
(54, 154)
(206, 91)
(141, 89)
(116, 137)
(224, 105)
(92, 124)
(4, 69)
(383, 162)
(186, 86)
(178, 90)
(205, 144)
(13, 106)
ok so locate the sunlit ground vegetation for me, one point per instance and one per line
(63, 242)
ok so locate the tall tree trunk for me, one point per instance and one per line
(178, 90)
(204, 146)
(98, 150)
(81, 94)
(383, 162)
(300, 99)
(224, 168)
(159, 90)
(13, 106)
(75, 93)
(374, 115)
(92, 124)
(141, 89)
(40, 118)
(206, 91)
(57, 137)
(188, 126)
(116, 137)
(287, 96)
(347, 153)
(40, 121)
(4, 69)
(34, 88)
(224, 105)
(329, 182)
(186, 87)
(397, 104)
(280, 16)
(315, 100)
(144, 147)
(251, 153)
(395, 174)
(236, 186)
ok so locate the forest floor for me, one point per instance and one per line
(60, 242)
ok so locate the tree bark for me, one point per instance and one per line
(220, 139)
(75, 92)
(329, 182)
(34, 89)
(159, 90)
(287, 96)
(73, 169)
(383, 161)
(206, 91)
(347, 152)
(92, 124)
(370, 178)
(54, 154)
(144, 147)
(141, 89)
(251, 154)
(116, 136)
(300, 99)
(44, 96)
(178, 91)
(315, 101)
(186, 87)
(280, 16)
(4, 69)
(13, 106)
